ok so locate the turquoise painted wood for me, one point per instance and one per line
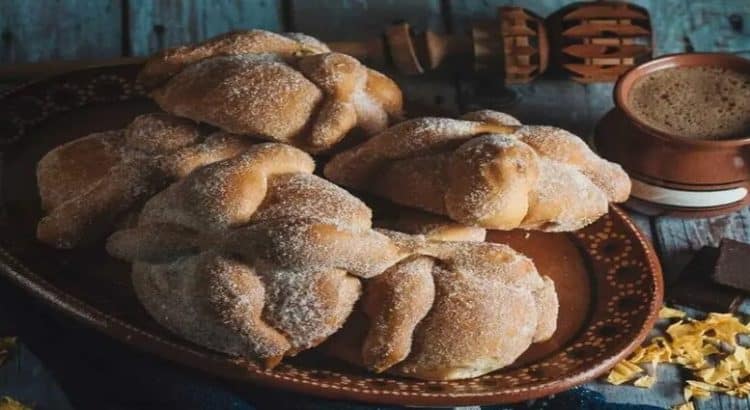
(154, 25)
(332, 20)
(710, 28)
(678, 25)
(357, 20)
(463, 12)
(24, 378)
(32, 30)
(668, 23)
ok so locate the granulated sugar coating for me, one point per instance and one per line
(285, 88)
(694, 102)
(276, 259)
(483, 170)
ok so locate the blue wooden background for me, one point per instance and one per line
(36, 30)
(42, 30)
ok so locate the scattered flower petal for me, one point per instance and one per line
(7, 403)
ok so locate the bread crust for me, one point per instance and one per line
(276, 249)
(255, 256)
(168, 62)
(276, 87)
(90, 184)
(432, 226)
(455, 310)
(486, 170)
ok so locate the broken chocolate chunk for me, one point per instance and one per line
(733, 265)
(695, 288)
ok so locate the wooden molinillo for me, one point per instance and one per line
(594, 42)
(519, 49)
(514, 45)
(599, 41)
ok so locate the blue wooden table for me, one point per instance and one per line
(42, 30)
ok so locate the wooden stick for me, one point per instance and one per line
(28, 71)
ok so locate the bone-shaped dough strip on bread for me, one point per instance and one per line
(89, 184)
(251, 94)
(453, 310)
(432, 226)
(413, 138)
(274, 87)
(561, 146)
(97, 209)
(300, 248)
(270, 223)
(485, 170)
(229, 192)
(237, 295)
(171, 61)
(72, 175)
(396, 301)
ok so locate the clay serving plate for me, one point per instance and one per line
(672, 174)
(607, 275)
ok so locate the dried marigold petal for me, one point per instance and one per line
(691, 392)
(685, 406)
(670, 313)
(645, 381)
(704, 386)
(708, 347)
(623, 372)
(7, 403)
(742, 390)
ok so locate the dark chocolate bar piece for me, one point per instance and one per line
(733, 265)
(695, 288)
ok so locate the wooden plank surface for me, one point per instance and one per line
(678, 238)
(358, 20)
(678, 25)
(361, 20)
(668, 24)
(154, 25)
(24, 378)
(463, 12)
(63, 29)
(710, 28)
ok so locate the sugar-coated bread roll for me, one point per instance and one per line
(281, 87)
(253, 256)
(256, 257)
(452, 310)
(486, 170)
(87, 186)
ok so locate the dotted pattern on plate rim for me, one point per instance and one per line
(40, 102)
